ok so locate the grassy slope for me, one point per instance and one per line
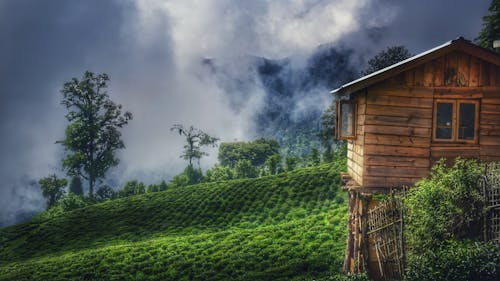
(279, 227)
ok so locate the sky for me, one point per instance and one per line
(152, 50)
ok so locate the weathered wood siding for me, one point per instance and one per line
(395, 119)
(355, 160)
(398, 126)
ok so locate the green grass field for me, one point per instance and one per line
(291, 226)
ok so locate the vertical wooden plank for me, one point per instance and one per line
(410, 77)
(494, 79)
(429, 74)
(475, 67)
(463, 70)
(484, 74)
(419, 75)
(439, 72)
(451, 70)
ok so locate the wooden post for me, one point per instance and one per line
(364, 233)
(355, 232)
(350, 242)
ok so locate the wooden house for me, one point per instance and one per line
(398, 121)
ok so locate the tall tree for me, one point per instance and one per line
(491, 27)
(52, 189)
(75, 186)
(386, 58)
(93, 135)
(195, 139)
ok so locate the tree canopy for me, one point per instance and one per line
(491, 27)
(52, 189)
(195, 139)
(256, 152)
(93, 135)
(386, 58)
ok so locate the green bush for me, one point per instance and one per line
(446, 206)
(456, 261)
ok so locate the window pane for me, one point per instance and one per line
(347, 124)
(444, 127)
(466, 121)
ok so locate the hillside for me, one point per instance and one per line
(288, 226)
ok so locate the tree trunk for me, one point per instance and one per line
(91, 186)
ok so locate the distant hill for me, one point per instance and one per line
(295, 93)
(288, 226)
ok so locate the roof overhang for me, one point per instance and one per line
(458, 44)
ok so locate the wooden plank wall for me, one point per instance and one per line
(397, 135)
(355, 160)
(394, 146)
(489, 128)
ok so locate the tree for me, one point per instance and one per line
(326, 134)
(52, 189)
(273, 164)
(386, 58)
(291, 163)
(256, 151)
(245, 169)
(104, 193)
(75, 186)
(195, 139)
(314, 157)
(93, 135)
(132, 187)
(491, 27)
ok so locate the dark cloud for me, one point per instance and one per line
(153, 52)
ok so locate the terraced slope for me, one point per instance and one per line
(289, 226)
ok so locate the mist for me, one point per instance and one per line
(156, 54)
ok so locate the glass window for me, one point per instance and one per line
(444, 128)
(466, 121)
(456, 120)
(347, 120)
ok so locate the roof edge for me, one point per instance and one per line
(399, 67)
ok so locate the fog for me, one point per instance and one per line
(154, 51)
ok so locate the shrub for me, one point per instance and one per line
(446, 206)
(456, 261)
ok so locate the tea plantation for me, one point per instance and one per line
(285, 227)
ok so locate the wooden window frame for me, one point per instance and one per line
(338, 131)
(456, 121)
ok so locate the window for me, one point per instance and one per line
(346, 120)
(455, 121)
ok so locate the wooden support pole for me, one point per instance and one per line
(350, 240)
(364, 233)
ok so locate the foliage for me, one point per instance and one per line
(67, 203)
(245, 169)
(456, 261)
(326, 134)
(387, 58)
(195, 139)
(446, 206)
(157, 187)
(93, 135)
(104, 193)
(132, 187)
(189, 176)
(273, 164)
(314, 157)
(257, 152)
(219, 173)
(52, 189)
(282, 227)
(491, 27)
(291, 163)
(75, 186)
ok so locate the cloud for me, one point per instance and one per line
(156, 53)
